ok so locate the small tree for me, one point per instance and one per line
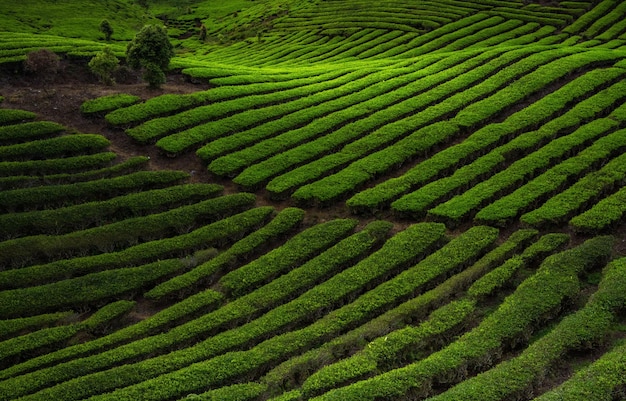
(203, 33)
(103, 64)
(153, 75)
(106, 29)
(150, 50)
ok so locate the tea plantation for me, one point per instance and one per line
(401, 201)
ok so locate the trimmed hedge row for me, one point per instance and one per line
(27, 345)
(89, 168)
(276, 105)
(496, 278)
(605, 214)
(606, 21)
(277, 136)
(519, 171)
(371, 166)
(556, 280)
(551, 181)
(605, 378)
(443, 36)
(285, 221)
(389, 349)
(532, 38)
(299, 248)
(393, 123)
(234, 364)
(499, 276)
(56, 195)
(236, 392)
(25, 170)
(564, 205)
(580, 330)
(85, 290)
(424, 197)
(361, 41)
(396, 251)
(392, 105)
(238, 310)
(159, 322)
(365, 46)
(615, 30)
(13, 134)
(54, 147)
(218, 233)
(460, 251)
(541, 17)
(81, 216)
(11, 116)
(602, 380)
(11, 327)
(106, 104)
(489, 136)
(490, 31)
(547, 71)
(107, 238)
(413, 310)
(584, 21)
(264, 76)
(514, 33)
(467, 116)
(153, 107)
(227, 101)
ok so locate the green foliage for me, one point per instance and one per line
(152, 51)
(107, 29)
(10, 116)
(105, 104)
(72, 218)
(65, 170)
(297, 250)
(65, 194)
(85, 290)
(103, 64)
(286, 220)
(55, 147)
(475, 101)
(28, 131)
(110, 237)
(153, 75)
(203, 33)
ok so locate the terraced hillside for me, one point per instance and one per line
(401, 201)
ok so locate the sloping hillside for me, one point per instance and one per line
(328, 200)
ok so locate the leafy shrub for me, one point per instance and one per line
(151, 50)
(153, 75)
(103, 64)
(106, 29)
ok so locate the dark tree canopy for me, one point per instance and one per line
(106, 29)
(152, 51)
(150, 45)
